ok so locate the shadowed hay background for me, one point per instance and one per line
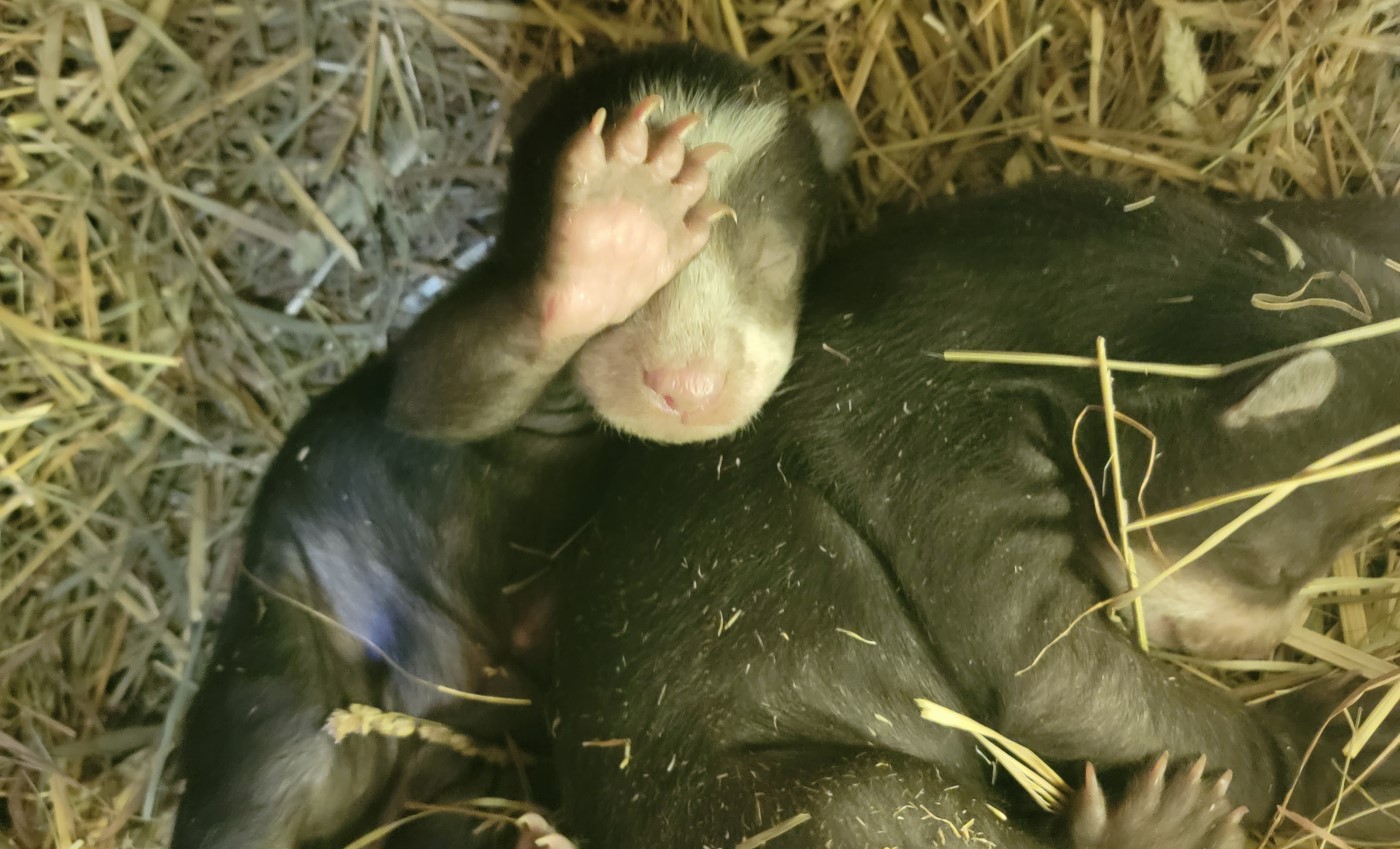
(210, 211)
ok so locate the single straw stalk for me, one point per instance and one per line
(1120, 503)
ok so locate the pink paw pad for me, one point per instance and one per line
(630, 211)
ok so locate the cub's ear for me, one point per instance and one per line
(524, 110)
(835, 128)
(1300, 384)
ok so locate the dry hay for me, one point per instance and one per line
(209, 210)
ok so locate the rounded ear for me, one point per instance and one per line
(1300, 384)
(524, 110)
(835, 128)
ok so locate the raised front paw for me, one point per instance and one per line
(630, 211)
(1183, 812)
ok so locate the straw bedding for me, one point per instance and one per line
(209, 211)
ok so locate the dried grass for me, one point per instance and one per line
(208, 211)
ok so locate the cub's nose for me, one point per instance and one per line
(688, 389)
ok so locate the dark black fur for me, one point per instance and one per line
(408, 543)
(757, 617)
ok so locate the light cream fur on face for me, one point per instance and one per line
(1198, 613)
(697, 316)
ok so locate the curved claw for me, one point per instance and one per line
(630, 139)
(1148, 789)
(709, 211)
(1090, 817)
(1198, 769)
(1222, 784)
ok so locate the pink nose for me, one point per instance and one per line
(688, 389)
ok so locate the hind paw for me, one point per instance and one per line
(1183, 812)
